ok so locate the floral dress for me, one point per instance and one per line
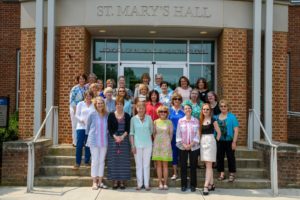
(162, 150)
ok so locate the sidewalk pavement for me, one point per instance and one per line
(86, 193)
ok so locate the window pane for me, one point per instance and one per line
(99, 70)
(137, 50)
(168, 50)
(133, 75)
(202, 71)
(202, 51)
(112, 72)
(171, 75)
(106, 71)
(99, 50)
(111, 50)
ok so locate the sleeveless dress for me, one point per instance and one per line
(208, 143)
(162, 150)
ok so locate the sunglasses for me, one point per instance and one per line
(178, 99)
(206, 109)
(163, 111)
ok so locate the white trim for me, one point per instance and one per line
(39, 60)
(268, 86)
(50, 64)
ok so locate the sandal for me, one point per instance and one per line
(166, 187)
(211, 187)
(231, 178)
(221, 178)
(95, 186)
(115, 186)
(160, 187)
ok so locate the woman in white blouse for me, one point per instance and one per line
(83, 109)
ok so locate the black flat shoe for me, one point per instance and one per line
(183, 189)
(115, 186)
(122, 187)
(193, 189)
(205, 191)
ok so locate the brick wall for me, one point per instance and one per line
(26, 108)
(10, 36)
(15, 160)
(288, 163)
(232, 75)
(294, 75)
(279, 86)
(74, 59)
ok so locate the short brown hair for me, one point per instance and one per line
(119, 99)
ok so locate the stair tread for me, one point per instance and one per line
(71, 167)
(89, 178)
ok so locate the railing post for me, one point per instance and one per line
(275, 190)
(55, 127)
(250, 130)
(30, 169)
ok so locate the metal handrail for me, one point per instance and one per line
(292, 113)
(30, 171)
(273, 157)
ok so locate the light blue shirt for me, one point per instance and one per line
(127, 107)
(141, 131)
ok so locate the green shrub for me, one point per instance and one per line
(11, 133)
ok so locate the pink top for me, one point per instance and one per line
(185, 93)
(187, 132)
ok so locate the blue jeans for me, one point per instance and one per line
(81, 140)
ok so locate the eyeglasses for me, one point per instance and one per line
(223, 106)
(163, 111)
(178, 99)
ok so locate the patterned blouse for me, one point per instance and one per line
(76, 95)
(187, 132)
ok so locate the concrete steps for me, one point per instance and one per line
(57, 170)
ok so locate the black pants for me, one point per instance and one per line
(224, 147)
(193, 156)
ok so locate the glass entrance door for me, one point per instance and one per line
(171, 73)
(133, 73)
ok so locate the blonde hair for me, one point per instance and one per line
(163, 108)
(103, 111)
(94, 85)
(223, 101)
(175, 95)
(108, 89)
(143, 86)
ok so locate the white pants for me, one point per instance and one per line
(98, 161)
(142, 162)
(74, 124)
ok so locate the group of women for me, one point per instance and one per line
(154, 124)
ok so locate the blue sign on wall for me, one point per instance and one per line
(4, 104)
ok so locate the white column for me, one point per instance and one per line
(256, 65)
(268, 67)
(39, 53)
(50, 65)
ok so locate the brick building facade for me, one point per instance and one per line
(10, 37)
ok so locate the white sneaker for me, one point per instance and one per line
(174, 177)
(103, 186)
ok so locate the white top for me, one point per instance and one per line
(82, 113)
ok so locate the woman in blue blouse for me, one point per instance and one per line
(176, 112)
(228, 124)
(97, 141)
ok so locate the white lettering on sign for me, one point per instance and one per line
(153, 11)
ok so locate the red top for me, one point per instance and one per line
(152, 110)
